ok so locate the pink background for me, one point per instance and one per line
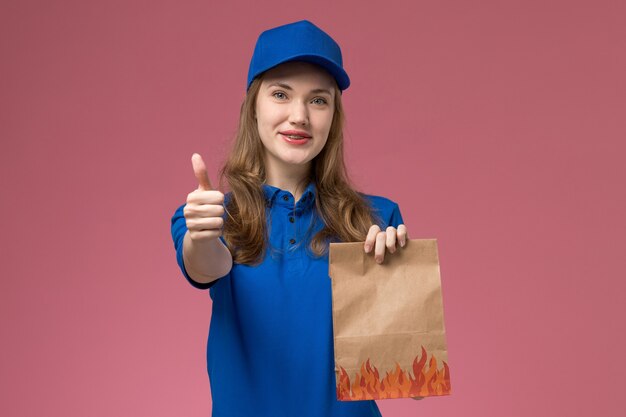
(498, 126)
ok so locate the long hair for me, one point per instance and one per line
(345, 212)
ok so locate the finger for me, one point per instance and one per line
(391, 239)
(379, 252)
(199, 169)
(402, 235)
(370, 240)
(202, 208)
(210, 223)
(199, 196)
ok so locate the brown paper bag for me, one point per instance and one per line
(389, 335)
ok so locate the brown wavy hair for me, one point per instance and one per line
(346, 214)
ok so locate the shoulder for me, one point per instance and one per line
(386, 209)
(379, 202)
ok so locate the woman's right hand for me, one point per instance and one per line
(205, 206)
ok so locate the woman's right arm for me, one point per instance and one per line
(205, 256)
(206, 260)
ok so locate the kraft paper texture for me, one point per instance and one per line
(388, 325)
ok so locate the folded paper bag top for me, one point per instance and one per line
(388, 325)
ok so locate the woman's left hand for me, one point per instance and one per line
(379, 240)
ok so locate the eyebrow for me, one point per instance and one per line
(288, 87)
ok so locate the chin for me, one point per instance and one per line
(297, 162)
(297, 159)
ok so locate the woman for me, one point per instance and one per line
(262, 248)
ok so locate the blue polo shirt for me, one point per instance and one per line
(270, 343)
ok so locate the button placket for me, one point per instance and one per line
(294, 229)
(291, 216)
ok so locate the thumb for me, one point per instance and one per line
(199, 169)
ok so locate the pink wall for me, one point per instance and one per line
(498, 126)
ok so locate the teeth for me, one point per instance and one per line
(295, 137)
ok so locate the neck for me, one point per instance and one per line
(292, 178)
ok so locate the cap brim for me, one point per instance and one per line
(338, 73)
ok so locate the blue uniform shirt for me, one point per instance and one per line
(270, 344)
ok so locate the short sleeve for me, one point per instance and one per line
(396, 217)
(179, 228)
(386, 212)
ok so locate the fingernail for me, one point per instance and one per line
(402, 243)
(367, 248)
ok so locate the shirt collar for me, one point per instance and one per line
(277, 196)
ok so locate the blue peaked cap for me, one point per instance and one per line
(297, 41)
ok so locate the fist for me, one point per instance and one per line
(205, 206)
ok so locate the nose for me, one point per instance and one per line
(299, 113)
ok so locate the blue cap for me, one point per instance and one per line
(298, 41)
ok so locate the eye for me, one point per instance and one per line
(278, 92)
(321, 100)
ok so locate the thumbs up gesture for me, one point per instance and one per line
(205, 206)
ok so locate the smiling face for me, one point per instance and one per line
(295, 98)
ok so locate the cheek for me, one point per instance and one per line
(323, 145)
(324, 125)
(263, 124)
(268, 120)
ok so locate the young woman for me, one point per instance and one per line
(262, 249)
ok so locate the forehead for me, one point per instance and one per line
(300, 72)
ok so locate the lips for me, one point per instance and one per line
(295, 141)
(296, 133)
